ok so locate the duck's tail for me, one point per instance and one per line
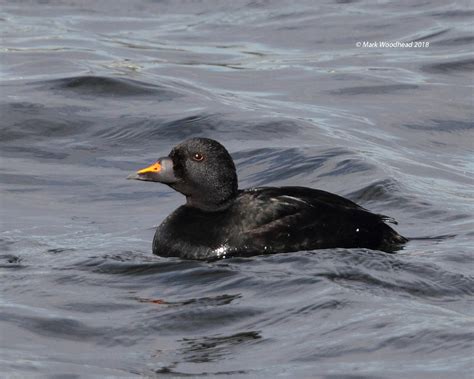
(392, 241)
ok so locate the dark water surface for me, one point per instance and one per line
(92, 91)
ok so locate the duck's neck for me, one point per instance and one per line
(211, 203)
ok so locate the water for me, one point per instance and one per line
(95, 90)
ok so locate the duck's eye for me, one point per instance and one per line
(198, 157)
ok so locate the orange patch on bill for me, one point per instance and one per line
(155, 167)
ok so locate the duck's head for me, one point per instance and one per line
(199, 168)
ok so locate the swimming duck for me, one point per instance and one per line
(221, 221)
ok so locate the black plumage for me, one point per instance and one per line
(219, 221)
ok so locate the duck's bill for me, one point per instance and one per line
(160, 171)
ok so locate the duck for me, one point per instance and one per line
(219, 220)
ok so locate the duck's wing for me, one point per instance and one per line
(298, 218)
